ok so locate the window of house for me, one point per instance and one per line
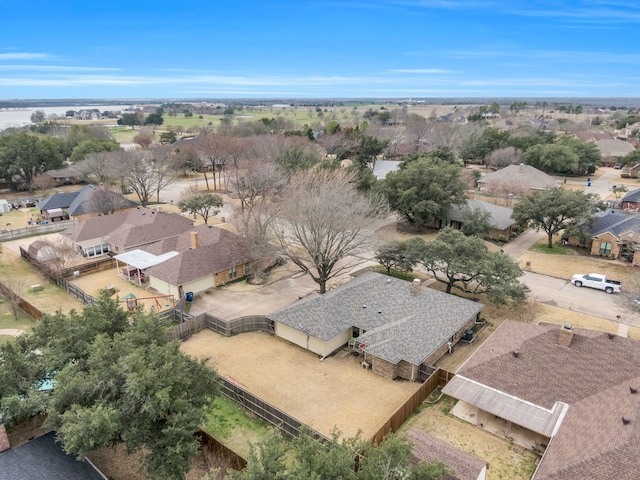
(233, 272)
(605, 248)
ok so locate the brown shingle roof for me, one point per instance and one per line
(228, 251)
(130, 229)
(429, 449)
(592, 376)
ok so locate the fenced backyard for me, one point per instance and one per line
(33, 230)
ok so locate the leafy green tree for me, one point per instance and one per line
(475, 221)
(203, 204)
(188, 114)
(129, 120)
(114, 382)
(168, 137)
(465, 263)
(423, 190)
(306, 457)
(29, 155)
(552, 158)
(154, 119)
(396, 255)
(553, 209)
(589, 156)
(332, 127)
(93, 145)
(295, 158)
(631, 158)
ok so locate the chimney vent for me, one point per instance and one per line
(195, 241)
(626, 421)
(416, 286)
(633, 390)
(516, 353)
(565, 335)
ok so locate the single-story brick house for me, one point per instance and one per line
(209, 256)
(576, 389)
(613, 150)
(397, 325)
(500, 219)
(631, 200)
(122, 232)
(630, 171)
(615, 234)
(517, 180)
(89, 201)
(65, 176)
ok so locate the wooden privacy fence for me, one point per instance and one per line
(211, 446)
(32, 230)
(264, 410)
(439, 378)
(228, 328)
(25, 306)
(187, 328)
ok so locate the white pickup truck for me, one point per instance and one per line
(596, 280)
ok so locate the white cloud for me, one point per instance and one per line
(427, 71)
(24, 56)
(54, 68)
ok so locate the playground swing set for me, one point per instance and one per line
(131, 302)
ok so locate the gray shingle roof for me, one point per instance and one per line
(500, 216)
(398, 324)
(632, 196)
(78, 202)
(616, 222)
(44, 459)
(592, 376)
(59, 200)
(520, 175)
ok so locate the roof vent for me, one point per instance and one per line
(516, 353)
(633, 390)
(626, 421)
(364, 306)
(610, 335)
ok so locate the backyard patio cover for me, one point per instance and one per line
(142, 260)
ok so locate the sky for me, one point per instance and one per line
(222, 49)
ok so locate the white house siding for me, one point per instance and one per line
(310, 343)
(163, 287)
(167, 289)
(199, 285)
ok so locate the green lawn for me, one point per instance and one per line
(554, 250)
(233, 427)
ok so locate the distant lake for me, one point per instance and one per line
(19, 118)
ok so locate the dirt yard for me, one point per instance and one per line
(335, 392)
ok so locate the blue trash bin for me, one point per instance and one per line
(189, 296)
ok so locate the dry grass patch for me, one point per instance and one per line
(48, 300)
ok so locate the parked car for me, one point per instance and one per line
(617, 166)
(596, 280)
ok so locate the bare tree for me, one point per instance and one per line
(57, 256)
(145, 138)
(323, 223)
(164, 164)
(99, 167)
(217, 150)
(259, 185)
(503, 157)
(105, 201)
(10, 288)
(136, 172)
(43, 183)
(418, 130)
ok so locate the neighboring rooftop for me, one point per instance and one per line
(588, 386)
(44, 459)
(500, 217)
(520, 175)
(616, 222)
